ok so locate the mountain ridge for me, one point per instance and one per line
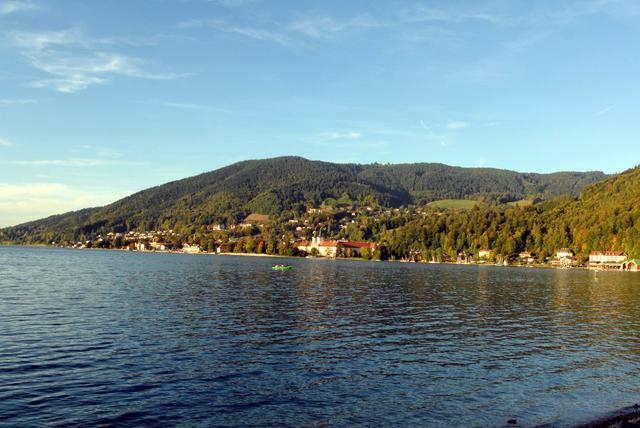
(292, 184)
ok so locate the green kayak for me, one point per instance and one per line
(281, 267)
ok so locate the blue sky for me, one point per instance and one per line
(99, 99)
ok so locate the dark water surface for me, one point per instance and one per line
(91, 338)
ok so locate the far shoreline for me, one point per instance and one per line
(351, 259)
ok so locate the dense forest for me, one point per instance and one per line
(287, 186)
(606, 216)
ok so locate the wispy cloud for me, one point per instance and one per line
(16, 102)
(13, 6)
(184, 106)
(73, 73)
(485, 72)
(318, 27)
(231, 3)
(453, 15)
(252, 32)
(458, 125)
(604, 110)
(326, 27)
(346, 135)
(98, 151)
(5, 143)
(36, 41)
(72, 63)
(73, 162)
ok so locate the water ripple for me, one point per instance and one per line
(95, 338)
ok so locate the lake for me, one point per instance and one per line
(101, 338)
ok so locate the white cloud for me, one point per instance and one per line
(453, 15)
(325, 27)
(72, 63)
(604, 110)
(424, 126)
(5, 143)
(24, 202)
(251, 32)
(348, 135)
(185, 106)
(317, 27)
(44, 39)
(13, 6)
(17, 102)
(458, 125)
(75, 162)
(74, 73)
(232, 3)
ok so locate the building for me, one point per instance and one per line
(527, 257)
(191, 249)
(564, 258)
(485, 254)
(141, 246)
(354, 249)
(161, 246)
(331, 248)
(632, 265)
(563, 253)
(464, 258)
(607, 259)
(322, 247)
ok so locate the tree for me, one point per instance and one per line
(251, 246)
(365, 253)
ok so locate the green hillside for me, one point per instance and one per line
(606, 216)
(284, 186)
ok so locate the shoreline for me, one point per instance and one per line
(355, 259)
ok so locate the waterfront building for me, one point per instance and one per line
(485, 254)
(331, 248)
(527, 257)
(632, 265)
(564, 258)
(607, 259)
(564, 253)
(192, 249)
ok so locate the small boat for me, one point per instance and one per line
(281, 267)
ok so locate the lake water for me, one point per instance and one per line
(99, 338)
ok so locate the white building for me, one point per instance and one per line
(485, 254)
(564, 253)
(607, 257)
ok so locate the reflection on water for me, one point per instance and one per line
(94, 337)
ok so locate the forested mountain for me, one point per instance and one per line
(606, 216)
(291, 185)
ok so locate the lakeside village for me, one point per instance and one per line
(250, 237)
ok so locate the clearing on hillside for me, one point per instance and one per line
(461, 204)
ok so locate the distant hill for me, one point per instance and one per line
(289, 184)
